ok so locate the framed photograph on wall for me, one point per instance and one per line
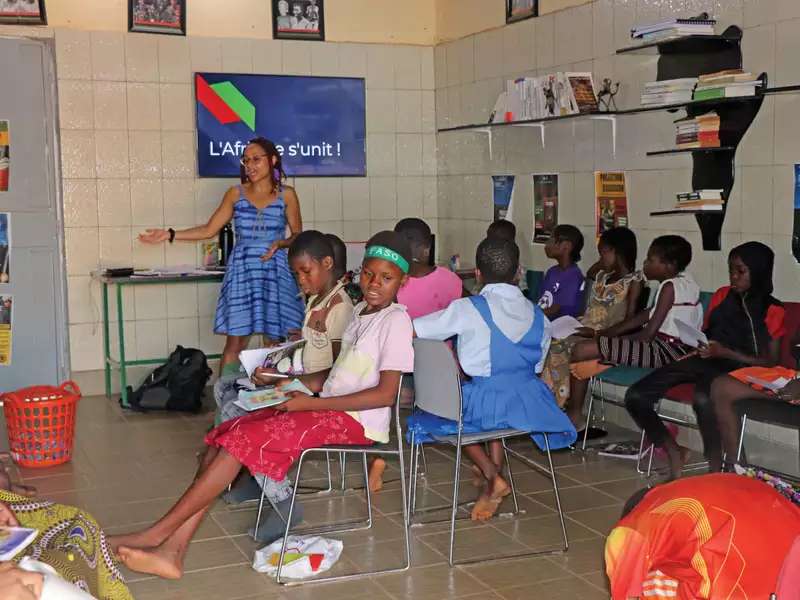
(23, 12)
(519, 10)
(298, 20)
(157, 16)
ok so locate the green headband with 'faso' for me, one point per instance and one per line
(385, 253)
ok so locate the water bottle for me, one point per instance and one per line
(225, 244)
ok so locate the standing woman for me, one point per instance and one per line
(259, 293)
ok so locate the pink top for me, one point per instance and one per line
(371, 344)
(425, 295)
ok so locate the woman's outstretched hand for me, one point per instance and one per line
(154, 236)
(276, 245)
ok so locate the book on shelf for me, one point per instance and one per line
(554, 95)
(700, 195)
(725, 76)
(668, 91)
(584, 96)
(730, 83)
(725, 92)
(674, 26)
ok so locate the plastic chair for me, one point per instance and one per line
(437, 383)
(388, 449)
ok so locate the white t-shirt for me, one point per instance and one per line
(687, 305)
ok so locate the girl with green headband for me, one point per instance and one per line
(351, 405)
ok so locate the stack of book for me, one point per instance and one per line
(554, 95)
(668, 91)
(698, 132)
(732, 83)
(672, 28)
(700, 200)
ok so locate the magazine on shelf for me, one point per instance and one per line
(584, 96)
(14, 540)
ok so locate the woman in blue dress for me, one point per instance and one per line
(259, 294)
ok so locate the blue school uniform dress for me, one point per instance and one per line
(258, 296)
(506, 392)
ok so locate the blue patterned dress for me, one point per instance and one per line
(258, 296)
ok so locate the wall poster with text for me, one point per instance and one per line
(6, 322)
(502, 194)
(545, 206)
(611, 201)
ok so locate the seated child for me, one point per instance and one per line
(744, 325)
(614, 298)
(427, 290)
(713, 536)
(501, 344)
(327, 314)
(506, 230)
(353, 407)
(563, 285)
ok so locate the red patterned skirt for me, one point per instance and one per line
(269, 441)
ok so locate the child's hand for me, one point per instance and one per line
(263, 376)
(7, 518)
(294, 335)
(297, 401)
(586, 332)
(713, 350)
(790, 392)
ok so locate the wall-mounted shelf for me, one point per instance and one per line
(688, 44)
(675, 211)
(691, 150)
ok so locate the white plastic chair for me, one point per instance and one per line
(437, 385)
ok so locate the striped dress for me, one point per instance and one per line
(258, 297)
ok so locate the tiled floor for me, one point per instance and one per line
(129, 468)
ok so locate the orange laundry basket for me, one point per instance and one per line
(41, 423)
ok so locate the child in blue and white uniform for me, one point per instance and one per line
(502, 342)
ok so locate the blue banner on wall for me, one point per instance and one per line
(318, 123)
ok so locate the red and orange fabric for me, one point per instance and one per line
(718, 536)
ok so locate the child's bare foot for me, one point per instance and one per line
(478, 479)
(677, 457)
(489, 501)
(166, 563)
(375, 477)
(137, 540)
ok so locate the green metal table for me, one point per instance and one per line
(121, 362)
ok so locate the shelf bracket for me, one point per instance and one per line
(540, 126)
(613, 120)
(488, 132)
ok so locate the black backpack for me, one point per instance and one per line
(176, 385)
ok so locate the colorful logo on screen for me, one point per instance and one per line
(226, 102)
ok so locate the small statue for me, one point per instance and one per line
(605, 97)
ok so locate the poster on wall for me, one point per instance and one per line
(796, 229)
(545, 206)
(298, 20)
(611, 200)
(6, 320)
(5, 248)
(5, 155)
(502, 193)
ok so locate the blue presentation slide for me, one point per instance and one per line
(317, 123)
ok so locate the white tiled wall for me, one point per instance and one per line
(128, 140)
(471, 72)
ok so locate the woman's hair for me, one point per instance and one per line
(673, 249)
(393, 241)
(570, 233)
(339, 254)
(623, 242)
(417, 232)
(277, 174)
(502, 228)
(313, 243)
(497, 259)
(760, 260)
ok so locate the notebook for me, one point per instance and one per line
(14, 540)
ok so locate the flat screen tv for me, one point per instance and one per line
(317, 123)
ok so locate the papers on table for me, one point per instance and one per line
(266, 397)
(565, 326)
(268, 357)
(689, 335)
(14, 540)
